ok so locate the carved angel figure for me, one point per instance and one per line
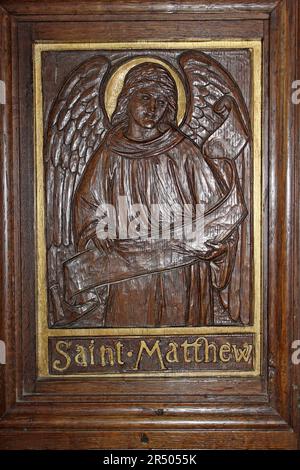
(141, 155)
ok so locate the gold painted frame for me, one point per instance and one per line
(43, 332)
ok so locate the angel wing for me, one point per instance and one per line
(76, 126)
(217, 120)
(213, 94)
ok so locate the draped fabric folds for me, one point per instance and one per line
(145, 281)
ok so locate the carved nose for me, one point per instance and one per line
(152, 105)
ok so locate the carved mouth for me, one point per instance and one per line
(149, 116)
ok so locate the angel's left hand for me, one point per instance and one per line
(216, 249)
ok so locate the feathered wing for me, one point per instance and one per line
(212, 95)
(76, 127)
(217, 120)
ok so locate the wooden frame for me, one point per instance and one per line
(138, 414)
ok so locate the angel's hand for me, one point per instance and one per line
(212, 251)
(216, 250)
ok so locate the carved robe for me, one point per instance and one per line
(144, 282)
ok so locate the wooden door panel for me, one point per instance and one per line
(177, 341)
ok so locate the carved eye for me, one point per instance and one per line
(145, 97)
(161, 103)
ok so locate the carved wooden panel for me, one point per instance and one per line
(89, 117)
(148, 166)
(150, 262)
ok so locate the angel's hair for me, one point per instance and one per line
(142, 76)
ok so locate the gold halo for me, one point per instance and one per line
(116, 81)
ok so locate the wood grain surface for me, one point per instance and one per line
(209, 412)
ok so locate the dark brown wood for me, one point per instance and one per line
(143, 439)
(4, 261)
(172, 30)
(71, 7)
(206, 413)
(283, 288)
(6, 266)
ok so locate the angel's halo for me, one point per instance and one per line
(116, 81)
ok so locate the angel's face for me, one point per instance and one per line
(147, 106)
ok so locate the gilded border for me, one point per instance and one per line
(43, 332)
